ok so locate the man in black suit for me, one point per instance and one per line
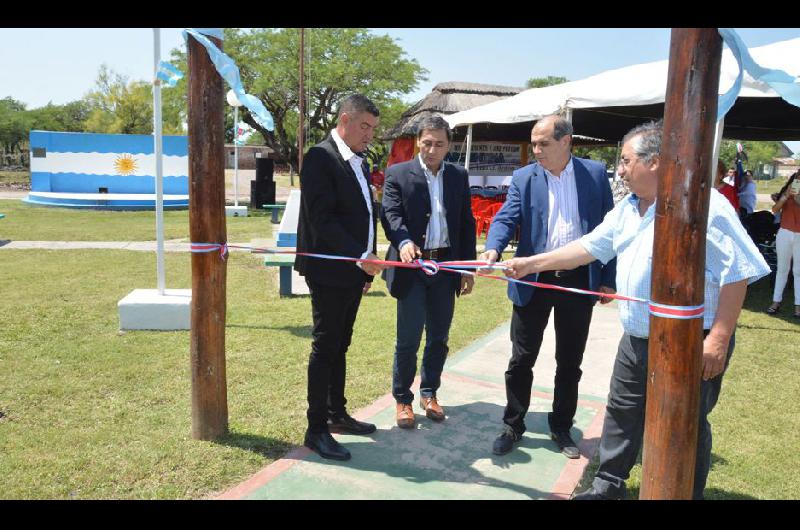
(336, 217)
(426, 214)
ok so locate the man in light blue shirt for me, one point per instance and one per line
(732, 262)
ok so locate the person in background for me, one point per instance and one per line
(747, 195)
(787, 243)
(724, 187)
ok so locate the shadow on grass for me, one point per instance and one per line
(297, 331)
(261, 445)
(4, 242)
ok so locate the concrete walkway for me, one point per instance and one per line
(453, 460)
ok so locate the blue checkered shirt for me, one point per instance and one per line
(731, 256)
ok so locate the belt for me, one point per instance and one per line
(435, 253)
(563, 274)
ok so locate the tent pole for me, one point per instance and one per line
(157, 151)
(717, 148)
(469, 146)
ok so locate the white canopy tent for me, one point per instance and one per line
(608, 104)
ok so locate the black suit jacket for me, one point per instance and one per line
(407, 209)
(334, 218)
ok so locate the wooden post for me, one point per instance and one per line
(207, 225)
(675, 351)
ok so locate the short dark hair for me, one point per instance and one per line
(357, 103)
(434, 123)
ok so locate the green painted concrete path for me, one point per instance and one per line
(453, 459)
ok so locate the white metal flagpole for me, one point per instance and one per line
(236, 156)
(159, 170)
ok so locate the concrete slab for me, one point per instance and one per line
(147, 309)
(453, 460)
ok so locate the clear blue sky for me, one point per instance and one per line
(61, 65)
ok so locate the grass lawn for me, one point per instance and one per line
(89, 412)
(770, 186)
(757, 417)
(25, 222)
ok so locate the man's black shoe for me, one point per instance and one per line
(505, 441)
(324, 445)
(592, 495)
(567, 445)
(347, 424)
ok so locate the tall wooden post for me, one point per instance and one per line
(207, 225)
(675, 354)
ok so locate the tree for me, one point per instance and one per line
(339, 62)
(758, 154)
(607, 155)
(70, 117)
(14, 124)
(119, 105)
(539, 82)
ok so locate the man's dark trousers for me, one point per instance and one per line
(429, 303)
(572, 316)
(334, 311)
(623, 427)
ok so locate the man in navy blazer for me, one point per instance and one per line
(426, 213)
(553, 201)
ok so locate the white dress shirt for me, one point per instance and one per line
(355, 162)
(563, 222)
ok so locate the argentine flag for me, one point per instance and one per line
(168, 73)
(118, 163)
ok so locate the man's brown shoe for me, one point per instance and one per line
(405, 416)
(432, 408)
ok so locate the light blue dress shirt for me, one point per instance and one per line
(731, 256)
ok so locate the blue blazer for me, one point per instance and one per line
(527, 206)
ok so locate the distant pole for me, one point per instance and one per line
(160, 282)
(469, 146)
(207, 225)
(302, 119)
(679, 248)
(236, 156)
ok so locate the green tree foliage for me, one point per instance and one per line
(607, 155)
(339, 62)
(119, 105)
(758, 154)
(539, 82)
(14, 124)
(70, 117)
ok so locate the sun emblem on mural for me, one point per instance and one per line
(125, 164)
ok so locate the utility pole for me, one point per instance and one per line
(301, 121)
(674, 365)
(206, 99)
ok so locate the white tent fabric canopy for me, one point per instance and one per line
(631, 86)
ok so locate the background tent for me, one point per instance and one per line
(609, 104)
(445, 99)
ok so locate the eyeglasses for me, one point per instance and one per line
(626, 162)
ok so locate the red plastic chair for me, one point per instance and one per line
(487, 218)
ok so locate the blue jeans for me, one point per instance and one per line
(429, 305)
(623, 427)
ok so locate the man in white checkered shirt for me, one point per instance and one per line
(732, 262)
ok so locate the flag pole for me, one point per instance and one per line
(159, 169)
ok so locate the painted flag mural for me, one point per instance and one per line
(114, 164)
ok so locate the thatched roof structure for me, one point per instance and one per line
(447, 98)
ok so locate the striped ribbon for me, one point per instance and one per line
(431, 267)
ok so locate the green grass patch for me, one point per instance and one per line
(89, 412)
(25, 222)
(770, 186)
(757, 417)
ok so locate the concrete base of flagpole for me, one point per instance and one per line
(236, 211)
(146, 309)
